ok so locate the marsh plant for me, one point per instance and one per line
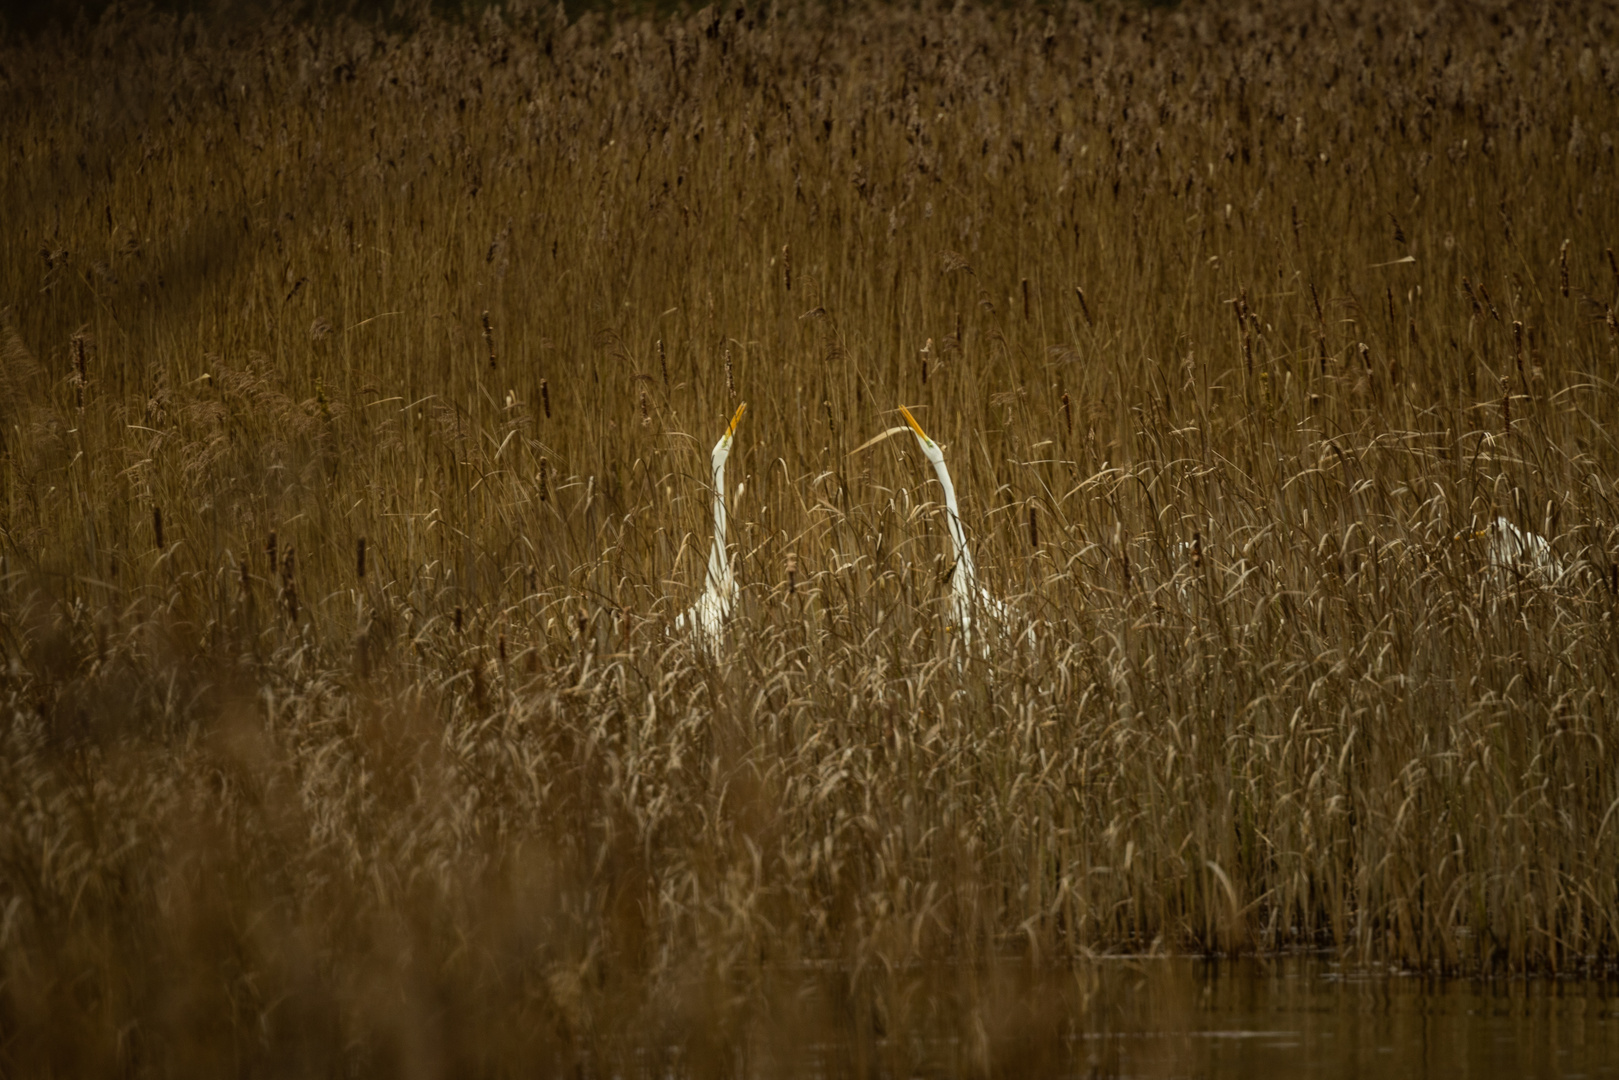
(357, 383)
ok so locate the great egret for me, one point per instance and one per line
(968, 599)
(1512, 548)
(706, 618)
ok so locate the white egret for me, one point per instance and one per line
(706, 618)
(968, 599)
(1510, 548)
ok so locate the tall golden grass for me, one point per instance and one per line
(356, 384)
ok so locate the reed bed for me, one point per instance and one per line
(357, 378)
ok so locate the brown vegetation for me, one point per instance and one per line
(356, 386)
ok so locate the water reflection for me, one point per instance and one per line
(1310, 1018)
(1293, 1017)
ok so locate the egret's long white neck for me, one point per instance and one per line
(719, 561)
(964, 577)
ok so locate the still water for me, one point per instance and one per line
(1310, 1018)
(1305, 1017)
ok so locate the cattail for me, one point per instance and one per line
(1320, 329)
(646, 415)
(1197, 550)
(1506, 410)
(663, 365)
(289, 586)
(1034, 530)
(78, 363)
(458, 618)
(1613, 323)
(545, 398)
(1472, 297)
(489, 339)
(1517, 345)
(1389, 292)
(1025, 299)
(926, 350)
(1484, 294)
(500, 646)
(246, 580)
(787, 266)
(545, 493)
(1085, 309)
(1613, 264)
(730, 383)
(1247, 334)
(1295, 223)
(1562, 267)
(157, 526)
(1067, 414)
(792, 573)
(269, 549)
(1124, 556)
(359, 558)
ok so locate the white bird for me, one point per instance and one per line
(1513, 549)
(706, 618)
(968, 599)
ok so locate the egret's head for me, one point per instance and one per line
(930, 449)
(722, 449)
(1475, 531)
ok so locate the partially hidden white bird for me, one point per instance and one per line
(706, 618)
(1511, 548)
(968, 599)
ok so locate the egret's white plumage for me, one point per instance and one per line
(706, 618)
(1509, 548)
(968, 599)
